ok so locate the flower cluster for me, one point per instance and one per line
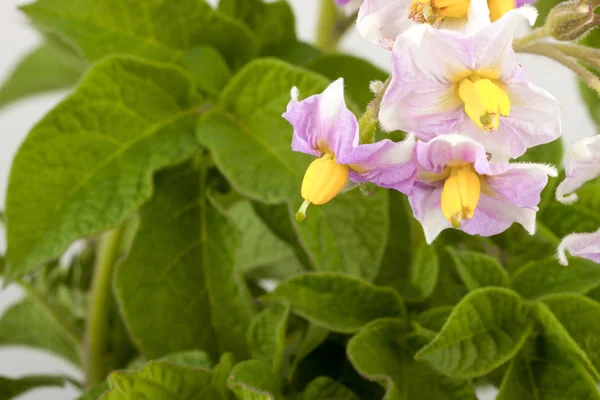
(465, 101)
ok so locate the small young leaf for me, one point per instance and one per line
(261, 165)
(252, 380)
(169, 28)
(486, 329)
(95, 152)
(29, 323)
(324, 388)
(346, 235)
(178, 288)
(336, 301)
(266, 336)
(51, 66)
(159, 380)
(478, 270)
(14, 387)
(539, 278)
(580, 317)
(382, 351)
(314, 336)
(357, 74)
(209, 69)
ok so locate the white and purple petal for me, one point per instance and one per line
(452, 150)
(322, 123)
(584, 245)
(582, 164)
(381, 21)
(387, 164)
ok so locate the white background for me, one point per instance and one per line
(17, 38)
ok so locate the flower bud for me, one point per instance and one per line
(572, 19)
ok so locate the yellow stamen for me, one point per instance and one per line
(324, 179)
(500, 7)
(432, 11)
(485, 101)
(460, 195)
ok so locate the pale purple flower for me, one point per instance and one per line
(381, 21)
(584, 245)
(582, 164)
(488, 198)
(324, 127)
(499, 108)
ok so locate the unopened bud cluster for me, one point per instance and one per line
(572, 19)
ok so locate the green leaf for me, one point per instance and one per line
(294, 52)
(478, 270)
(539, 278)
(580, 317)
(313, 336)
(346, 235)
(337, 302)
(549, 153)
(324, 388)
(30, 323)
(581, 216)
(556, 336)
(95, 392)
(419, 278)
(486, 329)
(209, 69)
(435, 318)
(395, 265)
(192, 358)
(357, 74)
(252, 380)
(179, 289)
(590, 97)
(13, 387)
(73, 160)
(544, 7)
(383, 351)
(279, 221)
(51, 66)
(547, 375)
(259, 246)
(158, 30)
(261, 165)
(159, 380)
(273, 22)
(266, 336)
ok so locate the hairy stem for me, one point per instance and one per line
(588, 55)
(526, 40)
(368, 121)
(326, 25)
(109, 249)
(547, 49)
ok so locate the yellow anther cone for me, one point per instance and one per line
(324, 179)
(500, 7)
(460, 195)
(484, 101)
(451, 8)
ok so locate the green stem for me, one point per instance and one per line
(368, 121)
(524, 41)
(328, 18)
(109, 249)
(546, 49)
